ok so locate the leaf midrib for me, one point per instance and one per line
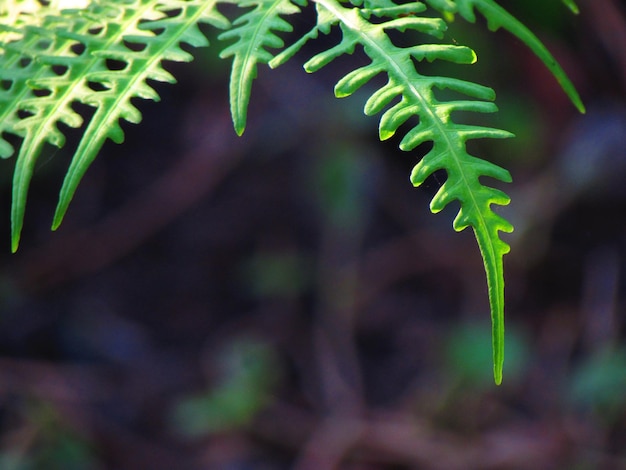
(34, 138)
(360, 28)
(261, 31)
(104, 115)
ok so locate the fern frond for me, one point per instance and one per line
(406, 94)
(19, 13)
(323, 25)
(71, 55)
(497, 17)
(254, 31)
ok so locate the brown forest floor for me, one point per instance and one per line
(285, 300)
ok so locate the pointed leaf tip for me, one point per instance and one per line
(58, 218)
(15, 242)
(572, 6)
(497, 376)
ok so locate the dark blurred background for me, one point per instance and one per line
(285, 300)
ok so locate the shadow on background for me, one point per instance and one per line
(286, 300)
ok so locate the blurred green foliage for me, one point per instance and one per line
(276, 274)
(47, 442)
(248, 373)
(598, 384)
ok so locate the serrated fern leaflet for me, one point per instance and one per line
(70, 57)
(254, 32)
(497, 17)
(408, 93)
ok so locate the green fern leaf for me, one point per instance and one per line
(15, 69)
(497, 17)
(71, 65)
(101, 53)
(408, 93)
(324, 24)
(166, 34)
(255, 32)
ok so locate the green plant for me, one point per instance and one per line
(100, 53)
